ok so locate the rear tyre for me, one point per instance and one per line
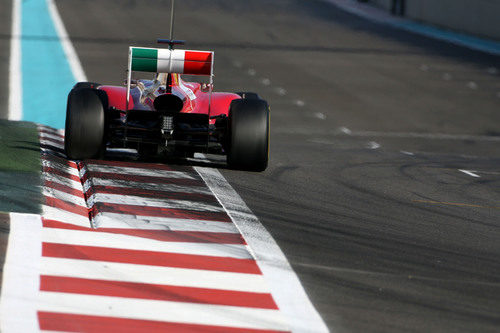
(84, 136)
(248, 146)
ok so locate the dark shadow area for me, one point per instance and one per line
(24, 148)
(328, 12)
(233, 46)
(20, 192)
(131, 157)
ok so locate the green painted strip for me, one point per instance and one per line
(144, 65)
(144, 53)
(144, 60)
(20, 168)
(19, 147)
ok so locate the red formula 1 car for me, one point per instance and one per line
(166, 115)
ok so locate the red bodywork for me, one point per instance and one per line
(196, 100)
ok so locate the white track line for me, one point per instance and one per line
(286, 288)
(407, 152)
(470, 173)
(183, 277)
(21, 281)
(127, 242)
(15, 84)
(69, 50)
(373, 145)
(190, 313)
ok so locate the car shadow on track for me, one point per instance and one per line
(200, 160)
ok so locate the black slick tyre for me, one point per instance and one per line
(248, 139)
(84, 131)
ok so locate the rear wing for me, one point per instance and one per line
(153, 60)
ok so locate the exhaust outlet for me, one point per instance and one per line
(168, 103)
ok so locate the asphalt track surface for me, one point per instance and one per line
(5, 27)
(370, 129)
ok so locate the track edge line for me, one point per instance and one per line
(295, 306)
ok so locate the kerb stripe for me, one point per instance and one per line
(172, 276)
(147, 193)
(142, 165)
(59, 160)
(50, 132)
(248, 266)
(136, 171)
(63, 188)
(156, 292)
(144, 179)
(67, 206)
(52, 148)
(161, 235)
(58, 172)
(102, 207)
(52, 140)
(112, 220)
(97, 324)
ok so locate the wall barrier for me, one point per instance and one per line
(476, 17)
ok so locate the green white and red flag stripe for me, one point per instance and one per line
(171, 61)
